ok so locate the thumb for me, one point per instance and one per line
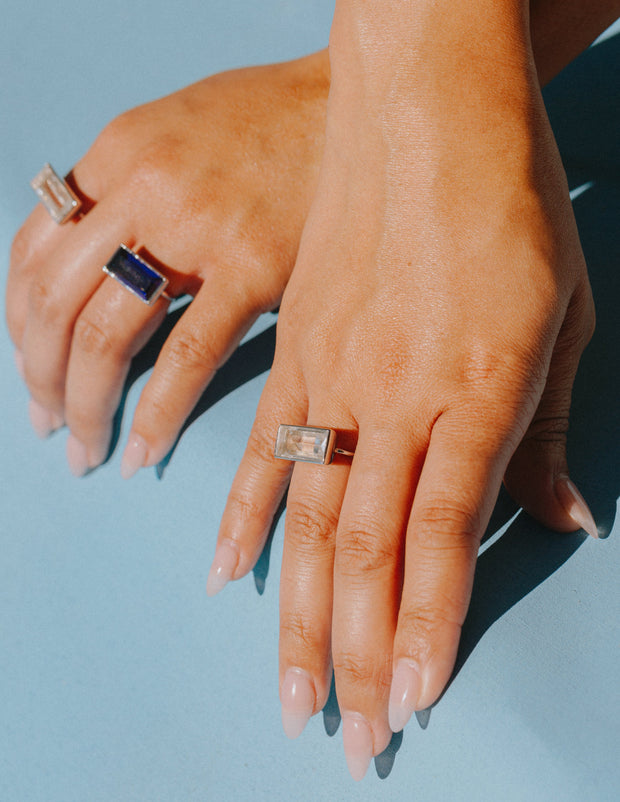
(537, 476)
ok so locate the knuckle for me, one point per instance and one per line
(91, 337)
(241, 507)
(364, 549)
(43, 302)
(191, 354)
(548, 430)
(364, 670)
(420, 627)
(297, 632)
(308, 525)
(447, 526)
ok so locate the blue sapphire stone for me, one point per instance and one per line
(136, 275)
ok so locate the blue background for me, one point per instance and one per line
(119, 679)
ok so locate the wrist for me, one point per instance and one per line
(394, 43)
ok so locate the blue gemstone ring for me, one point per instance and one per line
(137, 276)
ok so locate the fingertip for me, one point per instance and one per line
(298, 699)
(134, 455)
(575, 505)
(77, 457)
(223, 567)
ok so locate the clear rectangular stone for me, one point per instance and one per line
(55, 195)
(304, 444)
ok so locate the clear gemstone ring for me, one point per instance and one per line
(307, 444)
(55, 194)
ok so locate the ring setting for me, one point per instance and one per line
(137, 276)
(307, 444)
(56, 195)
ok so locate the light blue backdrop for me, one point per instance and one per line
(119, 679)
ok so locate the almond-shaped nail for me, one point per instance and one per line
(41, 419)
(575, 505)
(298, 698)
(404, 694)
(223, 566)
(77, 456)
(358, 744)
(133, 456)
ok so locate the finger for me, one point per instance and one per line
(32, 246)
(199, 344)
(537, 475)
(306, 581)
(453, 502)
(113, 326)
(260, 482)
(367, 584)
(56, 297)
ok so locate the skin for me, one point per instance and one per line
(152, 184)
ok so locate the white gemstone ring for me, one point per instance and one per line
(56, 195)
(307, 444)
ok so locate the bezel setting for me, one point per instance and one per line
(136, 275)
(55, 194)
(305, 444)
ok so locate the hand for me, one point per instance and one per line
(215, 181)
(435, 317)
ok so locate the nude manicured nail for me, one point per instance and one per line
(298, 698)
(133, 456)
(77, 456)
(358, 744)
(223, 566)
(41, 419)
(19, 364)
(404, 694)
(575, 505)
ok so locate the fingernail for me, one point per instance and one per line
(19, 363)
(297, 697)
(575, 505)
(77, 456)
(358, 745)
(223, 566)
(404, 694)
(133, 456)
(41, 419)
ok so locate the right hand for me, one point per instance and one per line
(216, 181)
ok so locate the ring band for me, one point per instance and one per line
(307, 444)
(56, 195)
(137, 276)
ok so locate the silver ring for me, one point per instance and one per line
(56, 195)
(307, 444)
(137, 276)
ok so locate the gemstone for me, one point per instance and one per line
(55, 195)
(136, 275)
(305, 444)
